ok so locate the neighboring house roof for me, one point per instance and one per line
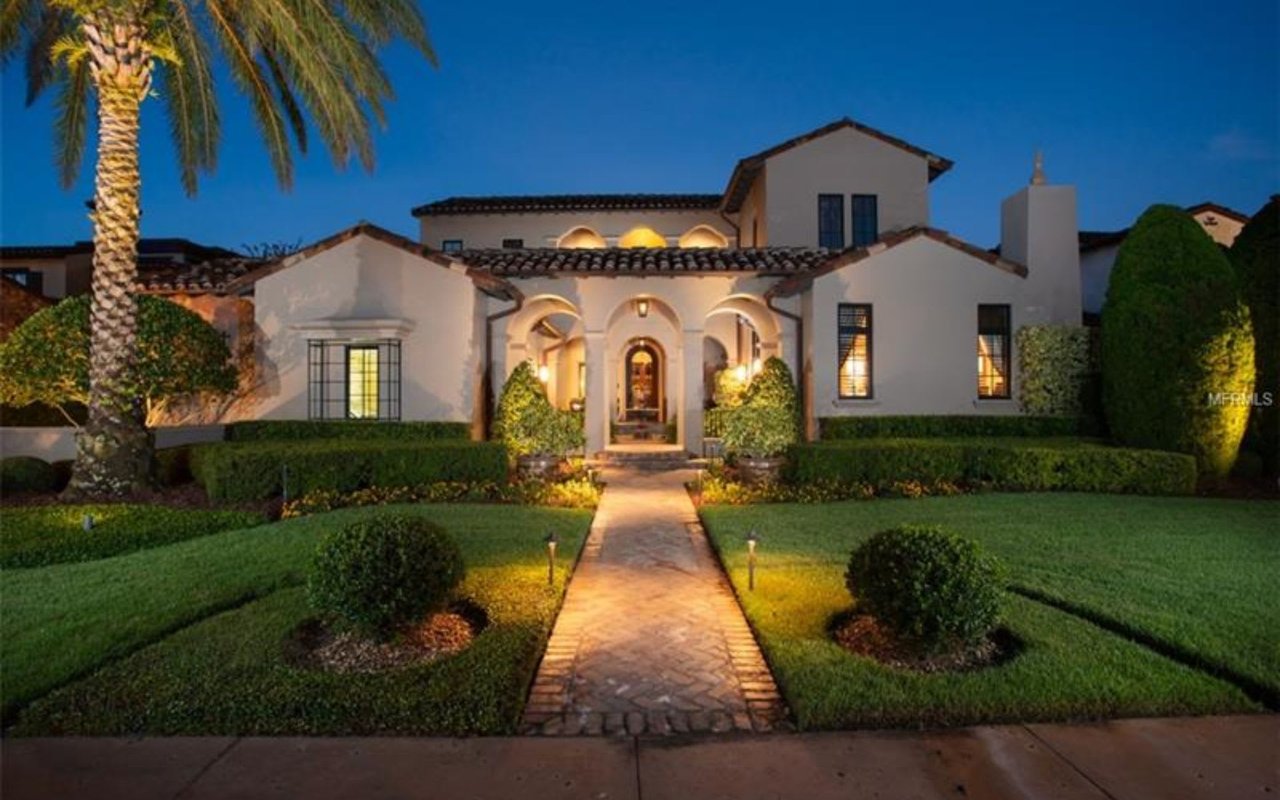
(1094, 240)
(214, 275)
(853, 255)
(644, 261)
(35, 251)
(744, 174)
(521, 204)
(17, 302)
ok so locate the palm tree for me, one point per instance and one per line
(299, 61)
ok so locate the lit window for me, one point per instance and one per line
(831, 221)
(854, 346)
(451, 245)
(993, 351)
(866, 223)
(362, 382)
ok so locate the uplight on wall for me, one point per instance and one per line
(642, 307)
(544, 373)
(740, 372)
(756, 366)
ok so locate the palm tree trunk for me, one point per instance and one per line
(113, 450)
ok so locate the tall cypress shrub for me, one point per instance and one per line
(1255, 254)
(1177, 346)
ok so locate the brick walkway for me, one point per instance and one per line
(650, 639)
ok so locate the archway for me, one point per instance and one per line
(547, 333)
(703, 236)
(642, 237)
(643, 383)
(581, 238)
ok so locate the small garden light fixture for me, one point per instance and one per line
(86, 523)
(284, 482)
(753, 539)
(552, 540)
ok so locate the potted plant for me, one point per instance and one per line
(536, 434)
(757, 438)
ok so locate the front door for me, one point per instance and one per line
(643, 385)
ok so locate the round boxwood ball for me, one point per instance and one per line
(26, 474)
(384, 572)
(937, 592)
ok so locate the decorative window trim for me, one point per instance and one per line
(869, 331)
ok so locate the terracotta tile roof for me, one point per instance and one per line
(213, 276)
(523, 204)
(1222, 211)
(1092, 240)
(644, 261)
(35, 251)
(744, 174)
(853, 255)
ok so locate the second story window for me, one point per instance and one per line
(866, 222)
(451, 245)
(831, 221)
(513, 244)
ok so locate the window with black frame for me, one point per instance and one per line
(853, 344)
(993, 351)
(353, 380)
(831, 221)
(866, 219)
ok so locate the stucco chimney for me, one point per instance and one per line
(1038, 228)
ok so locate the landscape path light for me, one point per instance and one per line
(552, 540)
(753, 539)
(86, 523)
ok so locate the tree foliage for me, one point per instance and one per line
(528, 424)
(1177, 346)
(1255, 254)
(46, 360)
(768, 420)
(1053, 362)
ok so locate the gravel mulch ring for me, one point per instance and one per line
(314, 645)
(863, 635)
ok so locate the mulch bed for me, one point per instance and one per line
(862, 635)
(315, 645)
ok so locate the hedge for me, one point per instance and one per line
(877, 427)
(303, 430)
(239, 471)
(1007, 466)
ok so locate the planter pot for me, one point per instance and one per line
(761, 470)
(539, 467)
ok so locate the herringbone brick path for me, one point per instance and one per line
(650, 639)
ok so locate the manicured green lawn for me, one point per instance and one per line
(65, 621)
(1192, 573)
(39, 535)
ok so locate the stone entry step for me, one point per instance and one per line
(645, 457)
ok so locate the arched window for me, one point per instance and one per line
(581, 238)
(642, 237)
(703, 236)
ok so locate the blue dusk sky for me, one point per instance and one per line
(1132, 102)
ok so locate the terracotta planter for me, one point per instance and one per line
(761, 470)
(538, 467)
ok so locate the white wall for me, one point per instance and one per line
(1038, 229)
(924, 298)
(543, 229)
(365, 289)
(844, 162)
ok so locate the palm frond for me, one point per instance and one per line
(384, 20)
(71, 118)
(287, 100)
(53, 28)
(16, 17)
(187, 88)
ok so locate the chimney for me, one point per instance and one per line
(1038, 228)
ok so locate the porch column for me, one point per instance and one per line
(598, 392)
(690, 422)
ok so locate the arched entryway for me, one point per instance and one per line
(644, 395)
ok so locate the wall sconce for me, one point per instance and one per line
(552, 540)
(642, 307)
(544, 373)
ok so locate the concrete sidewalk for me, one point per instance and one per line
(1182, 759)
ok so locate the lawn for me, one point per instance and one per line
(190, 635)
(39, 535)
(1192, 575)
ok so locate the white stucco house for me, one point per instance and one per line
(819, 250)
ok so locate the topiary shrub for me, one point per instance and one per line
(1177, 345)
(1255, 254)
(774, 387)
(384, 572)
(937, 592)
(758, 431)
(528, 424)
(1053, 361)
(26, 474)
(730, 388)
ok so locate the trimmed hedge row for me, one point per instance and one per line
(1008, 466)
(877, 427)
(239, 471)
(303, 430)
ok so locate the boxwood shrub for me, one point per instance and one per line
(240, 471)
(881, 427)
(304, 429)
(26, 474)
(999, 465)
